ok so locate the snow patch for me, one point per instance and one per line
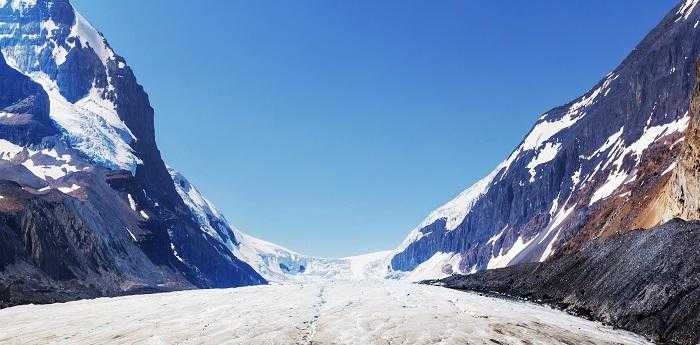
(440, 265)
(8, 149)
(132, 203)
(616, 179)
(612, 140)
(687, 9)
(561, 216)
(576, 178)
(177, 255)
(131, 234)
(503, 259)
(545, 155)
(670, 168)
(68, 190)
(497, 236)
(62, 167)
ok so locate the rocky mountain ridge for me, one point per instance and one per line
(611, 161)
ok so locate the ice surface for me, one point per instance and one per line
(369, 312)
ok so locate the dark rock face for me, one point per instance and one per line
(588, 169)
(645, 281)
(25, 106)
(57, 247)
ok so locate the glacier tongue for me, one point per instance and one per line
(316, 313)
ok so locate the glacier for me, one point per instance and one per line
(341, 312)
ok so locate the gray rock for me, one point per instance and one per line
(646, 282)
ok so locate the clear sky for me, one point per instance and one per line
(335, 127)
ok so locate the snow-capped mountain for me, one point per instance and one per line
(88, 207)
(78, 156)
(620, 157)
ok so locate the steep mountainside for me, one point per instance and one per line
(619, 158)
(88, 207)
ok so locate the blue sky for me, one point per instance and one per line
(335, 127)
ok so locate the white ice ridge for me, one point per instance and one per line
(88, 34)
(545, 129)
(318, 313)
(458, 208)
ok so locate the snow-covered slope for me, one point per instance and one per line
(319, 313)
